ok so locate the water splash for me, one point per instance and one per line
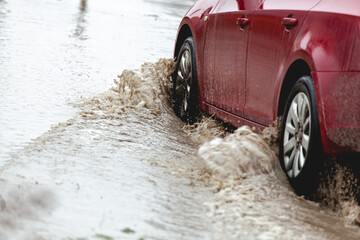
(251, 196)
(238, 155)
(339, 188)
(147, 87)
(205, 130)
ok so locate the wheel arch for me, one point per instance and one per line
(184, 32)
(297, 69)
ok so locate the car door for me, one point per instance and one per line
(274, 28)
(225, 54)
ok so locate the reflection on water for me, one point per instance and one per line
(81, 21)
(83, 5)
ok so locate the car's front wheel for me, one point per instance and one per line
(185, 88)
(300, 143)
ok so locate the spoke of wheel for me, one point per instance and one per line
(188, 79)
(295, 169)
(290, 161)
(300, 103)
(183, 65)
(305, 142)
(307, 123)
(293, 114)
(302, 158)
(180, 76)
(302, 114)
(185, 103)
(186, 96)
(290, 145)
(290, 128)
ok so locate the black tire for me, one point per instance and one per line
(301, 163)
(185, 86)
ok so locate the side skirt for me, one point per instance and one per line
(231, 118)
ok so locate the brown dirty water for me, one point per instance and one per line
(85, 157)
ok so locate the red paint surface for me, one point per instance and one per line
(242, 68)
(225, 55)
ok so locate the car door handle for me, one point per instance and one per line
(289, 22)
(242, 22)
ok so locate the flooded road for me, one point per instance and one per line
(87, 157)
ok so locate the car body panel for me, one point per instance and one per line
(326, 38)
(327, 42)
(355, 58)
(338, 23)
(339, 110)
(225, 55)
(232, 118)
(330, 47)
(269, 45)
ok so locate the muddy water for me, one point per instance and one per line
(253, 199)
(86, 157)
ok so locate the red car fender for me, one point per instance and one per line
(326, 42)
(195, 20)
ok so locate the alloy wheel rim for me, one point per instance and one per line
(183, 81)
(297, 135)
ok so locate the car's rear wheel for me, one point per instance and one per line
(300, 143)
(185, 88)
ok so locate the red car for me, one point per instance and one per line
(252, 61)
